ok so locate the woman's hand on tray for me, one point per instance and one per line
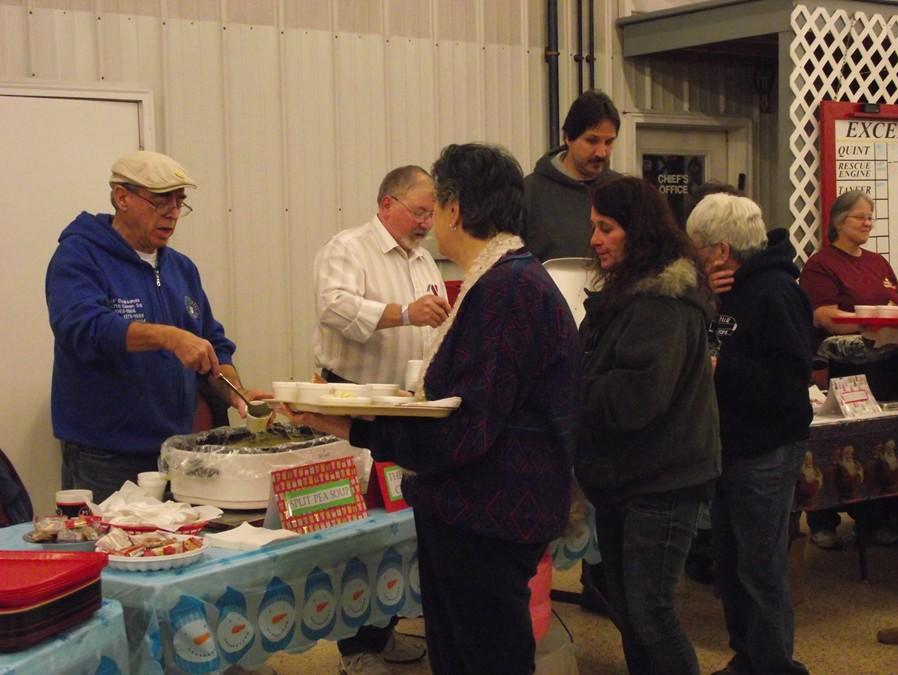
(336, 425)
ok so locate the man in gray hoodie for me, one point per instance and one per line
(556, 220)
(556, 194)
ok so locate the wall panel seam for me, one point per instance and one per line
(285, 179)
(335, 79)
(228, 174)
(385, 65)
(165, 54)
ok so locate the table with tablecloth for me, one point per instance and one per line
(240, 607)
(96, 646)
(848, 460)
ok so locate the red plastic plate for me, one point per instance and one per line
(189, 528)
(30, 577)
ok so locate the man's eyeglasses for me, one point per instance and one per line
(163, 207)
(420, 215)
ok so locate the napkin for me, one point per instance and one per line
(130, 506)
(246, 537)
(450, 402)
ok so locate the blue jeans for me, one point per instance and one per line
(751, 530)
(101, 471)
(644, 542)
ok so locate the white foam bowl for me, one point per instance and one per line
(887, 311)
(311, 392)
(384, 389)
(865, 310)
(284, 391)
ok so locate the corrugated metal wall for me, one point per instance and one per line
(288, 113)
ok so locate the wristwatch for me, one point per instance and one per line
(404, 313)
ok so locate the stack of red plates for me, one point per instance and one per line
(43, 593)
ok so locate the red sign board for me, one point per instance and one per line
(315, 496)
(385, 487)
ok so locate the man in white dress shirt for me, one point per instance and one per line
(379, 297)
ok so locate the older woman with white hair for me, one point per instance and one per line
(761, 378)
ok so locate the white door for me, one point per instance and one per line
(56, 158)
(679, 159)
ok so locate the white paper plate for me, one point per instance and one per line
(156, 563)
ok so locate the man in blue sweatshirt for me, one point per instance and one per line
(133, 328)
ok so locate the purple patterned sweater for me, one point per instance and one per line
(500, 465)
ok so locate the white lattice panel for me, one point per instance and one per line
(841, 56)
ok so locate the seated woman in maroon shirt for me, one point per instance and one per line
(837, 278)
(843, 275)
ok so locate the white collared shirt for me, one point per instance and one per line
(357, 274)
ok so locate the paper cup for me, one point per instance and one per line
(72, 502)
(256, 425)
(412, 373)
(151, 478)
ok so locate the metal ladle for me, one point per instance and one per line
(253, 409)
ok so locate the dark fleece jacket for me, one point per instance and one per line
(556, 211)
(764, 367)
(648, 420)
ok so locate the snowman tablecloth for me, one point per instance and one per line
(236, 607)
(96, 646)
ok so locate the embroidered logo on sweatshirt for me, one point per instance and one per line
(193, 309)
(129, 308)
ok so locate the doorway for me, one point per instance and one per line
(678, 152)
(58, 146)
(677, 161)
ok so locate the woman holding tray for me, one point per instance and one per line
(837, 278)
(491, 483)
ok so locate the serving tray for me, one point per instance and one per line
(404, 410)
(873, 321)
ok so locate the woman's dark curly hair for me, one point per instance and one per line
(488, 184)
(654, 240)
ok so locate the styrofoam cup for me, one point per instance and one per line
(151, 478)
(412, 373)
(256, 424)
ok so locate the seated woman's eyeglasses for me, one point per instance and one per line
(163, 207)
(860, 217)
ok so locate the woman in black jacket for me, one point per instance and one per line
(649, 447)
